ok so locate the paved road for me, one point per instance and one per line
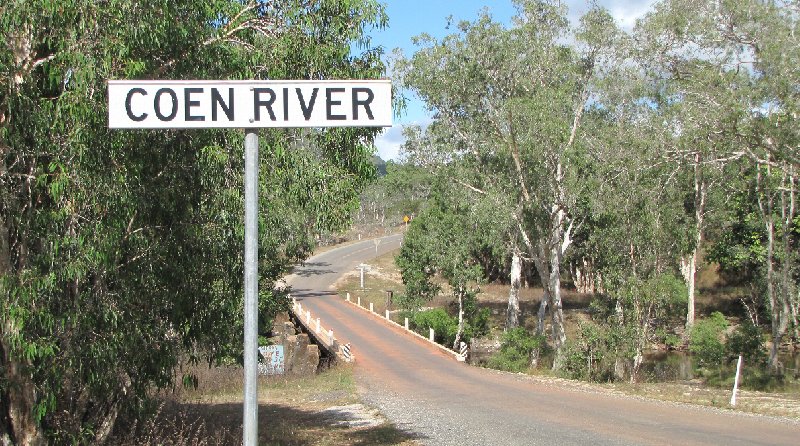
(427, 392)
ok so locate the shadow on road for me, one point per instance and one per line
(301, 293)
(314, 269)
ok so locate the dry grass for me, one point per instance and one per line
(764, 403)
(382, 276)
(317, 410)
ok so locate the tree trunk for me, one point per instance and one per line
(619, 361)
(689, 267)
(460, 331)
(19, 398)
(18, 394)
(794, 306)
(585, 278)
(106, 425)
(512, 314)
(787, 218)
(556, 311)
(542, 313)
(773, 304)
(778, 315)
(535, 354)
(548, 265)
(690, 273)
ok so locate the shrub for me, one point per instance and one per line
(593, 354)
(672, 340)
(478, 324)
(515, 350)
(748, 341)
(706, 341)
(444, 326)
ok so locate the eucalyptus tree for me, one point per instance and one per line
(444, 241)
(120, 251)
(516, 97)
(638, 229)
(698, 89)
(729, 71)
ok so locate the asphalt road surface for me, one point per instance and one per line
(426, 392)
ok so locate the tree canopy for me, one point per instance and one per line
(612, 159)
(120, 251)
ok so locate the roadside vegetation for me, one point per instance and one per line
(608, 169)
(121, 251)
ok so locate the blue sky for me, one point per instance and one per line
(408, 18)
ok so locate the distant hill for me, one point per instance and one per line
(380, 165)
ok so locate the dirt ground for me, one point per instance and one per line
(320, 410)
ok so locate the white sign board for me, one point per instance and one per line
(136, 104)
(273, 362)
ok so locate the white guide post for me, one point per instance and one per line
(736, 381)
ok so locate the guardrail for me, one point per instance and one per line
(324, 338)
(460, 356)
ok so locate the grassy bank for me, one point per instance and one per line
(319, 410)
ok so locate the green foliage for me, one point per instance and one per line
(515, 350)
(417, 262)
(594, 352)
(672, 340)
(444, 326)
(747, 340)
(120, 251)
(477, 322)
(706, 340)
(400, 192)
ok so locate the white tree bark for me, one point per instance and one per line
(778, 299)
(460, 331)
(690, 271)
(512, 313)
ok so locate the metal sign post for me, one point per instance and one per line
(250, 288)
(250, 105)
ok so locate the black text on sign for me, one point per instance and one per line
(249, 104)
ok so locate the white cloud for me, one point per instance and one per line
(389, 142)
(625, 13)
